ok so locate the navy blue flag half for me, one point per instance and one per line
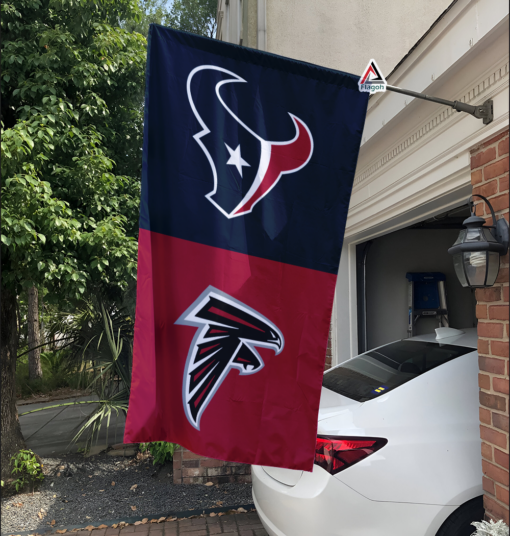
(248, 165)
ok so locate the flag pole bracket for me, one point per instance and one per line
(483, 111)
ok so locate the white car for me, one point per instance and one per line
(398, 449)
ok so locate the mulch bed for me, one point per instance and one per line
(78, 490)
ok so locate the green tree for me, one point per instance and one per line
(151, 11)
(195, 16)
(72, 88)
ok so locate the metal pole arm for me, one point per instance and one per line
(484, 111)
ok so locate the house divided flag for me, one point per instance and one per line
(248, 165)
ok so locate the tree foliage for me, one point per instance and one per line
(151, 12)
(72, 87)
(195, 16)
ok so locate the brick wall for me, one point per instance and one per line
(192, 468)
(489, 176)
(329, 352)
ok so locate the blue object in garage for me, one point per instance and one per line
(426, 297)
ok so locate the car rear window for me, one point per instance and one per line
(369, 375)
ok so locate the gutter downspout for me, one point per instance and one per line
(261, 25)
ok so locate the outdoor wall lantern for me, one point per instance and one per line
(478, 248)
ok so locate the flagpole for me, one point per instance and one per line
(484, 111)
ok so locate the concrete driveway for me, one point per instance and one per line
(50, 432)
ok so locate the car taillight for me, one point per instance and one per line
(334, 454)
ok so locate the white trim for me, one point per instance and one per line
(477, 94)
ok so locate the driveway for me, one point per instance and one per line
(50, 432)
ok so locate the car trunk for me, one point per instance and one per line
(331, 404)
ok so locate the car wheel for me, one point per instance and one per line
(459, 523)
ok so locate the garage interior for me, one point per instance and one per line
(382, 287)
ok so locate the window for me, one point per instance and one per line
(369, 375)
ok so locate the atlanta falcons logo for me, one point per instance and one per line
(276, 158)
(226, 339)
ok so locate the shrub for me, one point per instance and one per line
(161, 451)
(484, 528)
(26, 468)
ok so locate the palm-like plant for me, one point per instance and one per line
(98, 342)
(110, 370)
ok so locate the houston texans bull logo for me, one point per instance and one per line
(276, 158)
(227, 336)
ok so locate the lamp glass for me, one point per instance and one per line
(461, 237)
(475, 265)
(493, 268)
(459, 269)
(474, 235)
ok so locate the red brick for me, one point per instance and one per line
(499, 203)
(494, 472)
(211, 463)
(503, 184)
(500, 421)
(188, 455)
(490, 364)
(505, 258)
(502, 276)
(494, 170)
(493, 436)
(483, 157)
(177, 476)
(483, 346)
(199, 521)
(193, 531)
(503, 147)
(491, 294)
(476, 177)
(484, 382)
(485, 416)
(506, 294)
(481, 312)
(486, 189)
(502, 494)
(479, 207)
(490, 330)
(499, 348)
(488, 485)
(495, 509)
(193, 471)
(487, 451)
(493, 401)
(501, 458)
(500, 385)
(497, 312)
(191, 463)
(492, 141)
